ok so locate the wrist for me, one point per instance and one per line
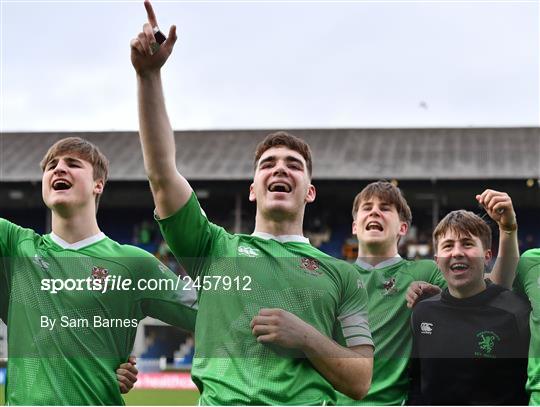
(508, 229)
(149, 75)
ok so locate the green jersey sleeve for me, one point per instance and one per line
(527, 283)
(164, 295)
(10, 236)
(190, 236)
(353, 310)
(432, 274)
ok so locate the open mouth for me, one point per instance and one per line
(459, 267)
(374, 226)
(279, 187)
(61, 185)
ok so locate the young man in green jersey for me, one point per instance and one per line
(528, 283)
(269, 303)
(381, 217)
(76, 296)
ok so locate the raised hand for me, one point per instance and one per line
(147, 55)
(498, 206)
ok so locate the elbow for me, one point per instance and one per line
(360, 390)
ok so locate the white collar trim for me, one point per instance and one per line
(77, 245)
(281, 238)
(385, 263)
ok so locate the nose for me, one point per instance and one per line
(457, 251)
(375, 211)
(60, 168)
(280, 168)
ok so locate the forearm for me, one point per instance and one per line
(349, 371)
(504, 270)
(157, 137)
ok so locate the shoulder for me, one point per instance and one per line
(428, 303)
(419, 269)
(10, 232)
(508, 301)
(532, 253)
(124, 250)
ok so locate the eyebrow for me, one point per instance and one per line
(289, 158)
(67, 159)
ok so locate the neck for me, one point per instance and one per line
(467, 291)
(75, 227)
(279, 226)
(375, 254)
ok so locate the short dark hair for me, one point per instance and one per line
(284, 139)
(463, 223)
(387, 192)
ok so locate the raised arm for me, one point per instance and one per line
(498, 206)
(171, 190)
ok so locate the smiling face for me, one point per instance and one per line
(281, 186)
(462, 260)
(68, 183)
(462, 241)
(377, 223)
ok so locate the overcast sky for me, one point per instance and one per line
(270, 65)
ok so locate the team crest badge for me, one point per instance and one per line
(389, 286)
(311, 266)
(486, 342)
(99, 273)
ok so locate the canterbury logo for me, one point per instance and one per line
(426, 328)
(247, 251)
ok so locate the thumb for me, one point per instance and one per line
(171, 39)
(431, 289)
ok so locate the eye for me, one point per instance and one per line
(295, 166)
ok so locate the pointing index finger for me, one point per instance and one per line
(150, 13)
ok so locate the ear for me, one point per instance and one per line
(311, 194)
(487, 256)
(403, 228)
(252, 197)
(354, 227)
(99, 185)
(437, 258)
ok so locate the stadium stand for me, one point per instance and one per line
(341, 154)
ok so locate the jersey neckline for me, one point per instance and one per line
(383, 264)
(77, 245)
(281, 238)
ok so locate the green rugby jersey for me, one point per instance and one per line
(238, 276)
(73, 362)
(389, 319)
(528, 283)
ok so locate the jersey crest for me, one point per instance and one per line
(311, 266)
(389, 286)
(486, 342)
(99, 273)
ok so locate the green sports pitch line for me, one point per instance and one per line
(151, 397)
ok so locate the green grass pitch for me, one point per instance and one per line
(157, 397)
(151, 397)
